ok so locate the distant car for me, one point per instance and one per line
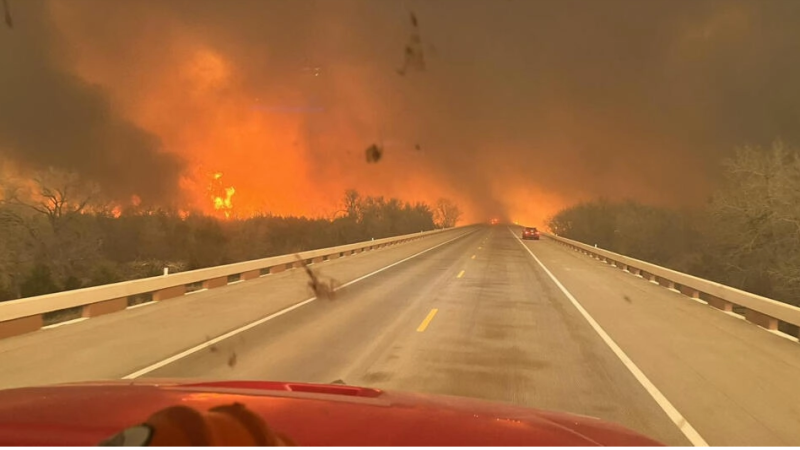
(530, 233)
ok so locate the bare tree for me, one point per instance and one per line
(757, 219)
(352, 204)
(446, 213)
(55, 194)
(51, 206)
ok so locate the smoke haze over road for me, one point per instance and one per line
(521, 107)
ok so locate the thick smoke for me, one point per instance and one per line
(520, 107)
(50, 117)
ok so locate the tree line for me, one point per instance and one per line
(747, 235)
(56, 234)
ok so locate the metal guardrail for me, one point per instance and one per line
(27, 314)
(768, 313)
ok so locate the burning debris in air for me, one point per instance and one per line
(232, 357)
(414, 55)
(374, 153)
(323, 289)
(7, 11)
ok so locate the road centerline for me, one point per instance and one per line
(427, 320)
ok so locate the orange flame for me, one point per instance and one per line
(222, 202)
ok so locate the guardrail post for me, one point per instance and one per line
(215, 282)
(277, 269)
(106, 307)
(763, 320)
(720, 303)
(318, 259)
(334, 256)
(19, 326)
(170, 292)
(669, 284)
(690, 292)
(250, 274)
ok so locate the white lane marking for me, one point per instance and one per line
(677, 418)
(258, 322)
(193, 292)
(781, 334)
(143, 304)
(733, 314)
(66, 322)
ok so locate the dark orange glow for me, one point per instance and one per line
(518, 110)
(197, 99)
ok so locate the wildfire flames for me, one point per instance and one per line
(292, 144)
(222, 196)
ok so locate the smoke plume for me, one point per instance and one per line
(512, 108)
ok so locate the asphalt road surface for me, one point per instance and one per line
(470, 313)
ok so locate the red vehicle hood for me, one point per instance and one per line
(310, 414)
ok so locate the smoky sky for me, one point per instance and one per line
(51, 118)
(575, 99)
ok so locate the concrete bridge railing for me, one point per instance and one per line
(30, 314)
(770, 314)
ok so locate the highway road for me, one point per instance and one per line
(473, 312)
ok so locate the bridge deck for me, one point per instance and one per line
(478, 317)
